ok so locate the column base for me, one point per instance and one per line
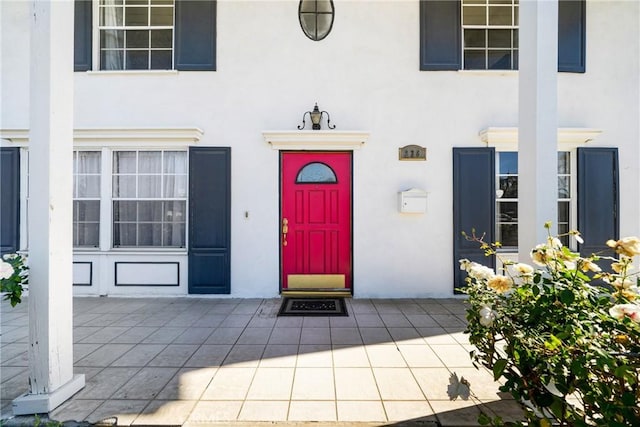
(28, 404)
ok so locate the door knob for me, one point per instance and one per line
(285, 230)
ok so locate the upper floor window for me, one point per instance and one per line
(145, 35)
(136, 34)
(490, 34)
(483, 34)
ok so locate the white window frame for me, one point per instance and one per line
(569, 139)
(514, 48)
(95, 51)
(76, 198)
(137, 198)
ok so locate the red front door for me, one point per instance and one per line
(315, 238)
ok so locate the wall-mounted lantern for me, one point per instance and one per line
(316, 18)
(316, 118)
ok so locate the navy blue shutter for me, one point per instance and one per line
(598, 198)
(209, 220)
(571, 35)
(9, 200)
(195, 38)
(440, 33)
(82, 39)
(474, 191)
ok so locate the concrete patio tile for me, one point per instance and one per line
(410, 308)
(271, 383)
(316, 411)
(459, 336)
(378, 335)
(9, 351)
(386, 307)
(366, 411)
(262, 410)
(456, 413)
(139, 355)
(134, 335)
(281, 335)
(279, 356)
(15, 386)
(315, 322)
(244, 355)
(208, 355)
(166, 335)
(420, 356)
(406, 335)
(343, 321)
(345, 336)
(236, 321)
(8, 372)
(448, 320)
(432, 307)
(82, 350)
(315, 336)
(395, 320)
(209, 321)
(187, 384)
(349, 356)
(224, 336)
(194, 336)
(397, 384)
(124, 411)
(262, 322)
(105, 335)
(314, 356)
(146, 384)
(229, 384)
(356, 384)
(434, 382)
(361, 306)
(422, 321)
(104, 356)
(165, 412)
(313, 384)
(248, 306)
(21, 360)
(385, 356)
(19, 334)
(211, 411)
(482, 384)
(289, 322)
(436, 336)
(82, 332)
(508, 410)
(369, 321)
(398, 410)
(75, 410)
(454, 356)
(174, 355)
(105, 383)
(255, 336)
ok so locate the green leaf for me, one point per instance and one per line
(567, 297)
(499, 367)
(552, 343)
(629, 399)
(483, 419)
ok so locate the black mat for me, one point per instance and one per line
(313, 307)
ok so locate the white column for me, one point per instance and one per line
(50, 215)
(538, 122)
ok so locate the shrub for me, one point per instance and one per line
(14, 275)
(567, 348)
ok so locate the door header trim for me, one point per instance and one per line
(316, 140)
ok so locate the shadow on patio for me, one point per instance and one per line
(188, 361)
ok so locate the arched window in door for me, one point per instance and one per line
(316, 18)
(316, 172)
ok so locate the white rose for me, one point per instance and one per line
(6, 270)
(632, 311)
(487, 316)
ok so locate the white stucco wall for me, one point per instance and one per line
(366, 74)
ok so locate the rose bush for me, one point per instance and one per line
(568, 348)
(14, 275)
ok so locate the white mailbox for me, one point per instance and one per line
(412, 201)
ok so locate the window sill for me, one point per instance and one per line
(490, 72)
(131, 72)
(131, 251)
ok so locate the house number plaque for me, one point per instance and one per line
(412, 152)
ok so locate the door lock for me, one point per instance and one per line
(285, 230)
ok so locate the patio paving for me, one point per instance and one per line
(198, 361)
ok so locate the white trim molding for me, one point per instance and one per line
(115, 137)
(315, 139)
(507, 137)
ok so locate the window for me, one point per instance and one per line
(490, 34)
(86, 199)
(136, 34)
(145, 35)
(316, 172)
(149, 198)
(316, 18)
(507, 197)
(483, 34)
